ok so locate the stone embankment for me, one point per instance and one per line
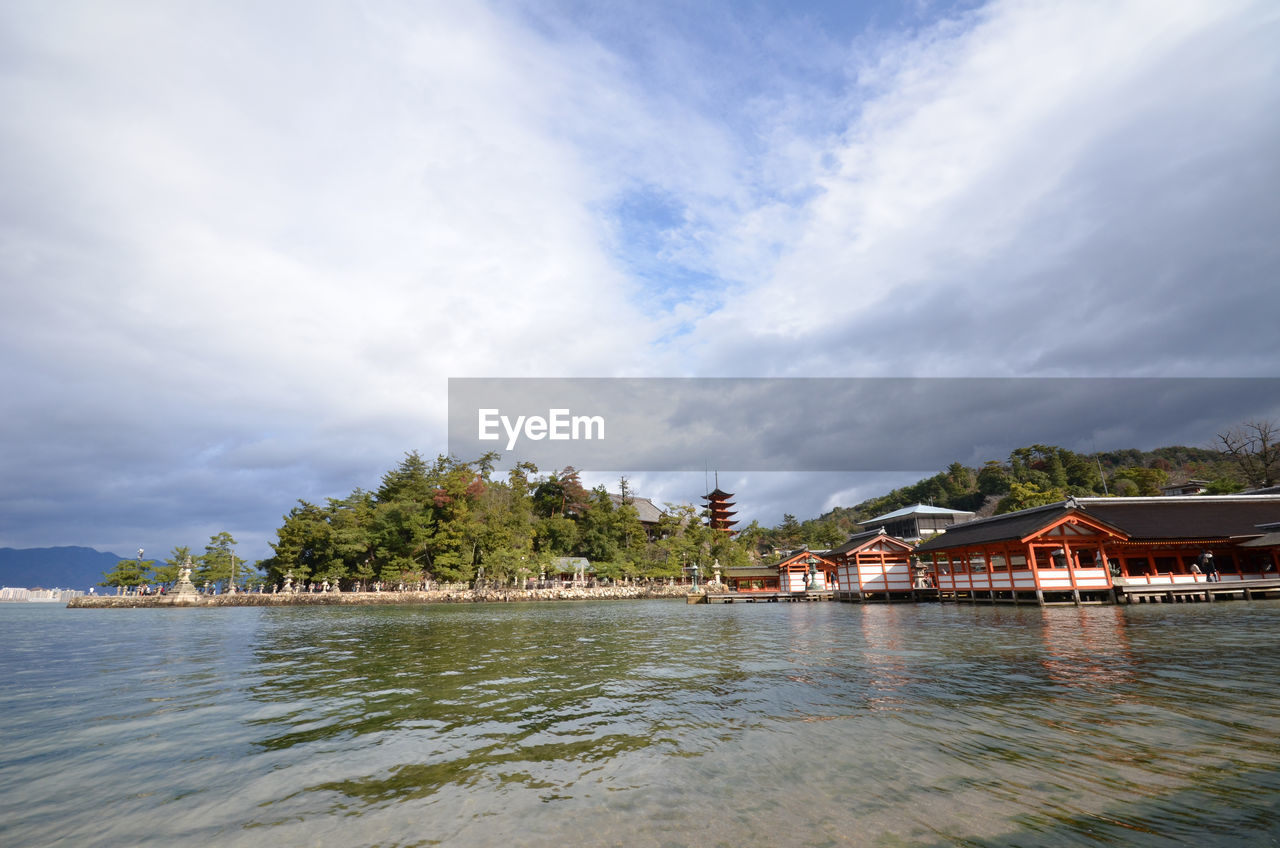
(438, 596)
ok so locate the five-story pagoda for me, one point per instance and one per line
(719, 510)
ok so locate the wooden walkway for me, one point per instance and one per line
(1190, 592)
(812, 595)
(1129, 594)
(760, 597)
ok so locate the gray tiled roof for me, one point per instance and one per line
(857, 540)
(919, 509)
(646, 510)
(1139, 518)
(997, 528)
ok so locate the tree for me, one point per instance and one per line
(219, 562)
(1254, 446)
(556, 535)
(993, 479)
(302, 546)
(788, 532)
(1147, 480)
(1027, 495)
(128, 574)
(598, 537)
(168, 573)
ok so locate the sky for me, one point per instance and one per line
(244, 246)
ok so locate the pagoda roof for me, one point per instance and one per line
(717, 494)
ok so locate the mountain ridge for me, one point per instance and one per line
(61, 567)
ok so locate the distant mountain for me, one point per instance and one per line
(55, 568)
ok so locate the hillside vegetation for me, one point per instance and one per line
(1031, 476)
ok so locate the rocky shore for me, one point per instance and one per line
(438, 596)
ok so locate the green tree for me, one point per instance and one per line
(349, 554)
(1027, 495)
(128, 574)
(598, 536)
(556, 535)
(1223, 486)
(167, 574)
(1147, 481)
(788, 532)
(505, 528)
(993, 479)
(302, 548)
(219, 563)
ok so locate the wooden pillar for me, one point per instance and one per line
(1034, 567)
(1071, 569)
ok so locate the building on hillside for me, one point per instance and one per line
(647, 512)
(874, 563)
(1084, 548)
(913, 523)
(1191, 487)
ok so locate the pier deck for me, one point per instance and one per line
(1252, 589)
(766, 597)
(1198, 591)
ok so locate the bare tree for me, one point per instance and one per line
(1255, 447)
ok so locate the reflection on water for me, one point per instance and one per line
(1086, 646)
(645, 723)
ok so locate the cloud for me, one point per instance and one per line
(243, 247)
(242, 240)
(1032, 182)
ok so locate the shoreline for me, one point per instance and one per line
(435, 596)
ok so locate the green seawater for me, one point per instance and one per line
(644, 723)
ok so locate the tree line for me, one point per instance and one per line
(453, 521)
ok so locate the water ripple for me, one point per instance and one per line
(646, 724)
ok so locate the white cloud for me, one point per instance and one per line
(996, 157)
(242, 247)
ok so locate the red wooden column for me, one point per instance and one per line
(1035, 571)
(1071, 566)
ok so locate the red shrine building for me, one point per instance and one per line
(1100, 548)
(873, 563)
(801, 571)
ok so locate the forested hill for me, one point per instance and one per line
(1031, 476)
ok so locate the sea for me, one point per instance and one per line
(641, 723)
